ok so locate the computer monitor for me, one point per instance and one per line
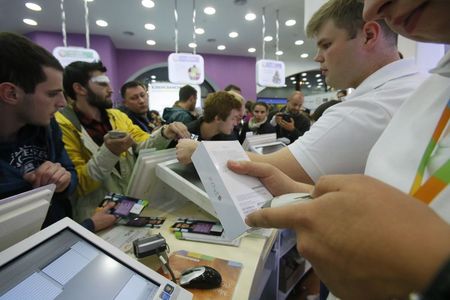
(66, 261)
(22, 215)
(186, 181)
(143, 180)
(267, 147)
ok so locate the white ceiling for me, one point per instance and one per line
(130, 16)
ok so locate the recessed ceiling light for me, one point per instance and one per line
(199, 30)
(148, 3)
(250, 16)
(251, 50)
(304, 74)
(33, 6)
(153, 80)
(153, 77)
(221, 47)
(30, 22)
(304, 55)
(299, 42)
(209, 10)
(268, 38)
(290, 22)
(233, 34)
(151, 42)
(317, 75)
(294, 82)
(320, 83)
(319, 80)
(309, 86)
(101, 23)
(149, 26)
(279, 52)
(292, 78)
(192, 45)
(307, 82)
(304, 79)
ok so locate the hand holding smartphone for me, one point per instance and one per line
(117, 134)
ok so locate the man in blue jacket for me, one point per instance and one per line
(31, 150)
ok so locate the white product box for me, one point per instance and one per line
(232, 195)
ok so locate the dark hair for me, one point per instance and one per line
(220, 104)
(232, 87)
(80, 72)
(186, 92)
(131, 84)
(22, 61)
(260, 104)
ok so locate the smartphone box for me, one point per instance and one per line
(232, 195)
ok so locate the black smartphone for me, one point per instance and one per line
(152, 222)
(285, 116)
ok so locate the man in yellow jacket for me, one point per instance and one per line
(104, 160)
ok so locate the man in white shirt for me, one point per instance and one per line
(352, 54)
(365, 238)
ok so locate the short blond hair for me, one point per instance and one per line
(347, 15)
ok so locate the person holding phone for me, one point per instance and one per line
(290, 122)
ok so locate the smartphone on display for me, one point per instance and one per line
(152, 222)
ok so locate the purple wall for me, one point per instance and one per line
(123, 63)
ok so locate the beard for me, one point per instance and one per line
(97, 101)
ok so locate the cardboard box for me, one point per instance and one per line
(232, 195)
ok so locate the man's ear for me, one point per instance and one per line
(9, 93)
(371, 33)
(79, 89)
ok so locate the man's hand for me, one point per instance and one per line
(289, 126)
(185, 149)
(48, 173)
(364, 237)
(102, 218)
(273, 179)
(176, 130)
(120, 145)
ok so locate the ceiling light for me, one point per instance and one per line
(279, 52)
(150, 26)
(294, 82)
(153, 80)
(304, 74)
(192, 45)
(309, 86)
(199, 30)
(233, 34)
(251, 50)
(320, 84)
(101, 23)
(299, 42)
(304, 55)
(290, 22)
(30, 22)
(209, 10)
(148, 3)
(33, 6)
(151, 42)
(153, 77)
(317, 75)
(268, 38)
(292, 78)
(221, 47)
(304, 79)
(250, 16)
(319, 80)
